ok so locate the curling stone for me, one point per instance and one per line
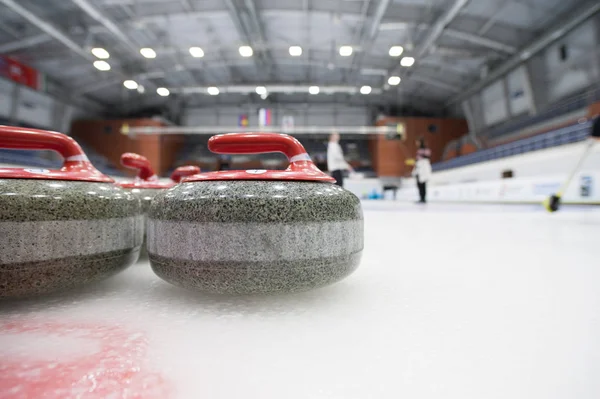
(146, 184)
(256, 231)
(61, 228)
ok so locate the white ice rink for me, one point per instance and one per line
(450, 301)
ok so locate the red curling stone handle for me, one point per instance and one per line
(258, 143)
(20, 138)
(184, 171)
(138, 162)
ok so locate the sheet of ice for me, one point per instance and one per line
(449, 302)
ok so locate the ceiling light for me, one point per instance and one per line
(260, 90)
(365, 90)
(148, 52)
(264, 96)
(394, 80)
(246, 51)
(313, 89)
(196, 52)
(396, 51)
(346, 51)
(130, 84)
(213, 91)
(295, 51)
(102, 65)
(141, 89)
(162, 91)
(101, 53)
(407, 61)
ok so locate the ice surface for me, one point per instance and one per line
(449, 302)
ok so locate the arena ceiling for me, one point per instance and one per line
(438, 49)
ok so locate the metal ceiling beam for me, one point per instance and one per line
(377, 17)
(273, 88)
(48, 28)
(493, 18)
(106, 22)
(186, 5)
(90, 10)
(258, 28)
(436, 31)
(480, 40)
(436, 83)
(11, 31)
(24, 43)
(368, 37)
(558, 30)
(386, 24)
(216, 65)
(447, 66)
(438, 27)
(245, 32)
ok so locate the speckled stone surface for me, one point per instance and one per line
(59, 234)
(145, 195)
(254, 236)
(34, 278)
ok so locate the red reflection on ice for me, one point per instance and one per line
(117, 368)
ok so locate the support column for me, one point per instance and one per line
(506, 96)
(471, 123)
(528, 91)
(537, 76)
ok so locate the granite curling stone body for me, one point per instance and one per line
(146, 184)
(256, 231)
(61, 228)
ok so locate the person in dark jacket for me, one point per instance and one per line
(422, 169)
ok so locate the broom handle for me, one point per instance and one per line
(582, 158)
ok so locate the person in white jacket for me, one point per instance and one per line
(336, 163)
(422, 170)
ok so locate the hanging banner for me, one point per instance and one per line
(22, 74)
(243, 120)
(264, 117)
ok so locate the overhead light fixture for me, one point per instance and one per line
(196, 52)
(148, 52)
(346, 51)
(163, 91)
(313, 89)
(101, 53)
(260, 90)
(246, 51)
(365, 90)
(102, 65)
(130, 84)
(141, 89)
(394, 80)
(396, 51)
(407, 61)
(295, 51)
(213, 91)
(264, 96)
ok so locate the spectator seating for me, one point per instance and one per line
(566, 135)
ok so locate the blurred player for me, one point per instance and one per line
(422, 169)
(336, 164)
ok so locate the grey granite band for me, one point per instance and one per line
(254, 242)
(45, 240)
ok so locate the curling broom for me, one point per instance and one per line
(552, 203)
